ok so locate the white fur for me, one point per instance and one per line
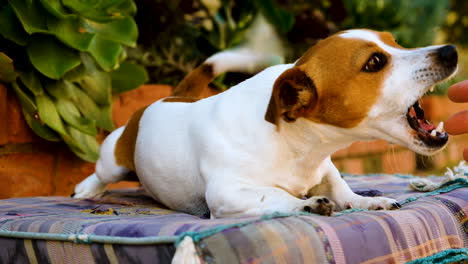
(220, 154)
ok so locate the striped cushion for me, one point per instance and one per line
(126, 225)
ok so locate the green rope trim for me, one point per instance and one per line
(88, 239)
(199, 235)
(443, 257)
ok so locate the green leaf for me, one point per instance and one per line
(70, 113)
(7, 70)
(60, 90)
(102, 11)
(55, 8)
(31, 80)
(108, 4)
(32, 117)
(48, 113)
(50, 57)
(123, 30)
(31, 15)
(83, 145)
(98, 86)
(127, 7)
(26, 102)
(11, 27)
(75, 74)
(127, 77)
(40, 129)
(95, 82)
(81, 6)
(70, 32)
(105, 52)
(100, 114)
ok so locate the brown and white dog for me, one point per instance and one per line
(264, 144)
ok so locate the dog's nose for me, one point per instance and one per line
(447, 55)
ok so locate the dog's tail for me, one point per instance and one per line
(262, 49)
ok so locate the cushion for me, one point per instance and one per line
(128, 226)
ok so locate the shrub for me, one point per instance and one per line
(64, 59)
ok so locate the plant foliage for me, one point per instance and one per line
(62, 58)
(413, 23)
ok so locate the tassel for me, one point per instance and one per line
(426, 185)
(186, 252)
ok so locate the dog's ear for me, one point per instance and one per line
(294, 94)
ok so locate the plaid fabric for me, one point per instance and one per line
(127, 226)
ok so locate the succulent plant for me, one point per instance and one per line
(64, 58)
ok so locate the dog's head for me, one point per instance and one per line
(364, 82)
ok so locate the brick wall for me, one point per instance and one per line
(30, 166)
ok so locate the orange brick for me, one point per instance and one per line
(70, 171)
(361, 148)
(26, 174)
(123, 185)
(399, 162)
(441, 159)
(354, 166)
(3, 115)
(341, 153)
(18, 129)
(127, 103)
(455, 148)
(439, 108)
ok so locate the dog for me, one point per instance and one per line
(264, 145)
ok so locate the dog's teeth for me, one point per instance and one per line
(440, 127)
(434, 133)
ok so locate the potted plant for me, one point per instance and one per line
(64, 59)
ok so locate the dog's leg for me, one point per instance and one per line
(107, 170)
(238, 199)
(337, 189)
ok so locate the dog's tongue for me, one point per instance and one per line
(424, 124)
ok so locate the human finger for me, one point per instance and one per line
(457, 123)
(458, 92)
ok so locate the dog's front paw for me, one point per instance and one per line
(372, 203)
(319, 205)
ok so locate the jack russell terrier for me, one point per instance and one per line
(264, 145)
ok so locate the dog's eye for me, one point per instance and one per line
(375, 63)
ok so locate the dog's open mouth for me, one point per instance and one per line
(429, 134)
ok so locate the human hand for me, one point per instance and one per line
(457, 123)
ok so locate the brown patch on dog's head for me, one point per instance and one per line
(345, 87)
(125, 147)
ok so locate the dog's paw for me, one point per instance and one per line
(372, 203)
(319, 205)
(89, 188)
